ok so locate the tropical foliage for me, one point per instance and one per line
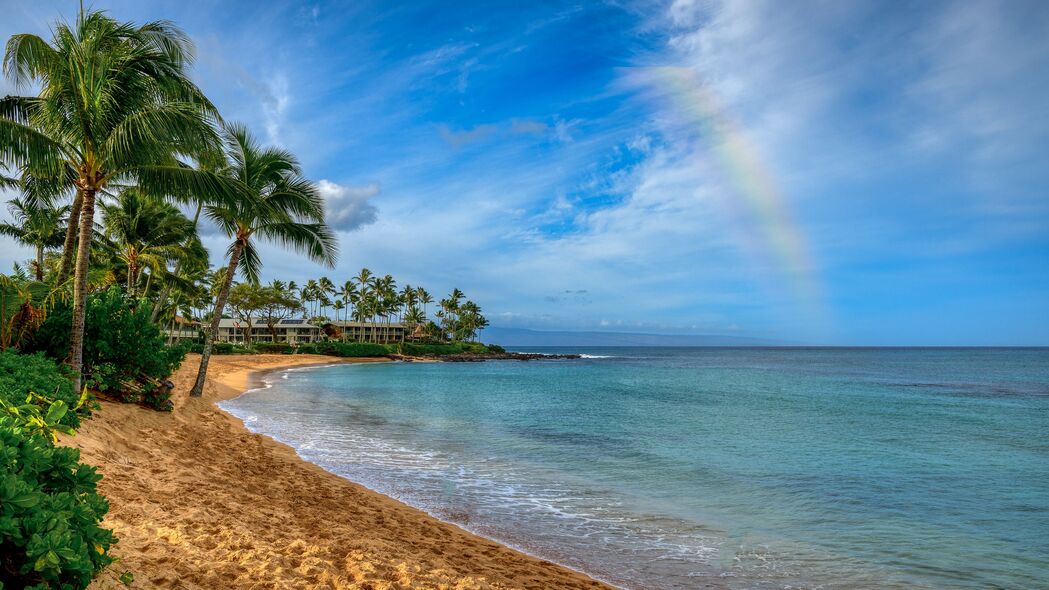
(124, 352)
(115, 107)
(270, 201)
(368, 297)
(39, 380)
(50, 511)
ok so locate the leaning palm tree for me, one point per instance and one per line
(115, 105)
(36, 225)
(275, 203)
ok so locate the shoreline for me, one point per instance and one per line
(256, 380)
(200, 501)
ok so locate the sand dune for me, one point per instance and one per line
(200, 502)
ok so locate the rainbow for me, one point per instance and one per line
(764, 206)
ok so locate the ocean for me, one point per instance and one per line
(673, 468)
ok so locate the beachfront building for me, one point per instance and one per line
(181, 329)
(372, 331)
(289, 330)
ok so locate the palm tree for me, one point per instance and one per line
(348, 291)
(309, 295)
(425, 298)
(144, 233)
(327, 289)
(412, 317)
(115, 105)
(274, 203)
(35, 225)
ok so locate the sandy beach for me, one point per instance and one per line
(198, 501)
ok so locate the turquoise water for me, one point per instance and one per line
(707, 467)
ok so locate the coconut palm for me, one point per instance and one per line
(425, 298)
(143, 233)
(327, 290)
(35, 225)
(115, 105)
(310, 293)
(274, 203)
(348, 294)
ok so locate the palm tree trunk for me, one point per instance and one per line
(39, 262)
(70, 242)
(174, 315)
(132, 277)
(209, 338)
(83, 256)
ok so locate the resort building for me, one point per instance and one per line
(290, 330)
(371, 331)
(299, 330)
(181, 329)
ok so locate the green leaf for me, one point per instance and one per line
(26, 500)
(56, 412)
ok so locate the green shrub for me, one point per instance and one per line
(274, 348)
(223, 348)
(442, 349)
(49, 511)
(22, 374)
(124, 352)
(344, 349)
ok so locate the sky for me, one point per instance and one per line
(826, 172)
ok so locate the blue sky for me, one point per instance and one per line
(826, 172)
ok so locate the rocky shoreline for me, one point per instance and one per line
(467, 357)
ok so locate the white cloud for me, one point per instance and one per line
(349, 207)
(274, 105)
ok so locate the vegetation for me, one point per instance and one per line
(50, 511)
(124, 352)
(115, 107)
(271, 201)
(23, 375)
(344, 349)
(368, 297)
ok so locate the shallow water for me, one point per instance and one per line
(677, 468)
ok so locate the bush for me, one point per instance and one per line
(124, 352)
(274, 348)
(344, 349)
(222, 348)
(49, 511)
(442, 349)
(22, 374)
